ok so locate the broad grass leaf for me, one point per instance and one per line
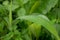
(41, 20)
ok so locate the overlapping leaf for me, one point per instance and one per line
(41, 20)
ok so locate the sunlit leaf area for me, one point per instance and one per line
(29, 19)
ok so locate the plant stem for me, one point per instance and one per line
(10, 16)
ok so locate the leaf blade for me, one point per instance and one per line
(39, 19)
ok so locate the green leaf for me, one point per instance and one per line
(5, 2)
(35, 29)
(2, 10)
(21, 12)
(14, 27)
(1, 26)
(25, 1)
(41, 20)
(27, 37)
(18, 38)
(58, 28)
(36, 4)
(8, 36)
(14, 7)
(7, 5)
(20, 2)
(46, 5)
(42, 6)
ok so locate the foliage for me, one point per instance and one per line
(29, 19)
